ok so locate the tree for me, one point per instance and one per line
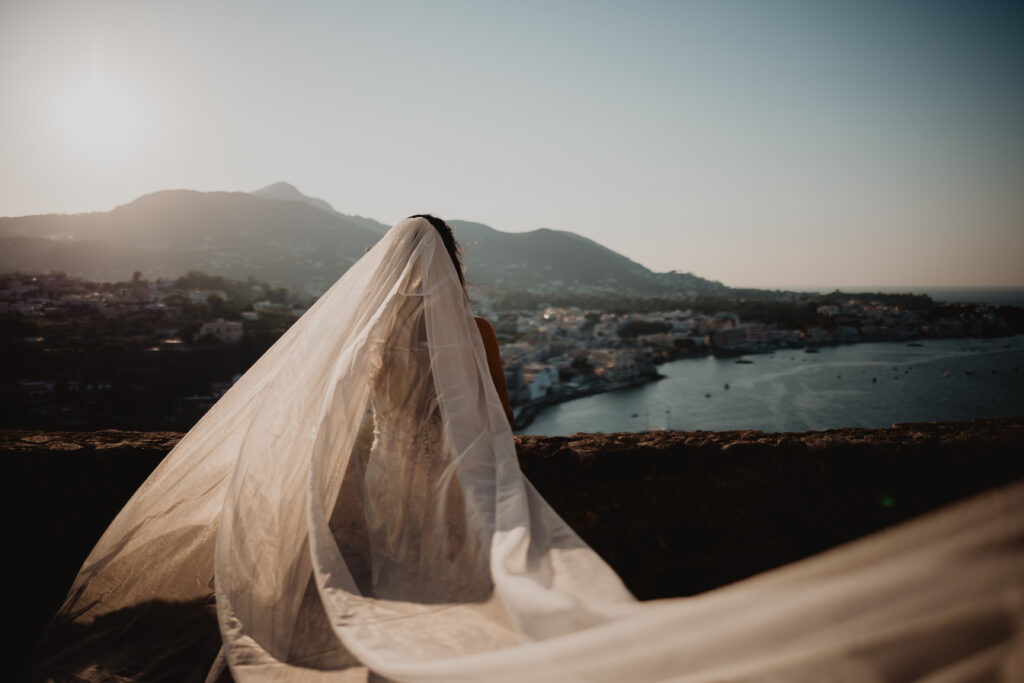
(635, 328)
(581, 363)
(215, 304)
(278, 295)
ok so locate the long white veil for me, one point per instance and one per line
(353, 507)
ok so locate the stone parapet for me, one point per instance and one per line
(675, 513)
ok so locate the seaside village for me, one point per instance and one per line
(550, 354)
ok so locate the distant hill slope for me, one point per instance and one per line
(557, 260)
(166, 233)
(286, 238)
(287, 192)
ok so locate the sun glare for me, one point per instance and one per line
(100, 121)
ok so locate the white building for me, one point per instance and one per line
(228, 331)
(615, 365)
(542, 379)
(265, 306)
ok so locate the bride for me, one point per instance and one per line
(352, 509)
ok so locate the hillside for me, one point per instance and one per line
(164, 234)
(557, 261)
(286, 238)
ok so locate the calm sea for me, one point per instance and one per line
(857, 385)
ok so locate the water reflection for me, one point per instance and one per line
(859, 385)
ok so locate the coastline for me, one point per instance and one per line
(527, 413)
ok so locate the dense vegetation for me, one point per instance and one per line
(798, 313)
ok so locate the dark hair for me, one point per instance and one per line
(448, 237)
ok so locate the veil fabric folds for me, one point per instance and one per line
(354, 508)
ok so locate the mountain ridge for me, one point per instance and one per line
(288, 192)
(288, 238)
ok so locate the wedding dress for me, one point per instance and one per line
(353, 506)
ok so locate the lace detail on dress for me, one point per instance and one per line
(401, 521)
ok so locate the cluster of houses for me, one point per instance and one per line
(39, 295)
(854, 322)
(549, 355)
(560, 353)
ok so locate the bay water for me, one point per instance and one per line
(856, 385)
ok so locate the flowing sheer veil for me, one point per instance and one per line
(354, 503)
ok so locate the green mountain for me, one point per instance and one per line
(559, 261)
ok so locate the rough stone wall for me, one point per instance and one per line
(675, 513)
(679, 513)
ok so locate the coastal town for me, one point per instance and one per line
(81, 351)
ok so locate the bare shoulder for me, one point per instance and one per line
(486, 330)
(486, 333)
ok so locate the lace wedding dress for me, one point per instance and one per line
(354, 508)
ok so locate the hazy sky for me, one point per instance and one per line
(762, 143)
